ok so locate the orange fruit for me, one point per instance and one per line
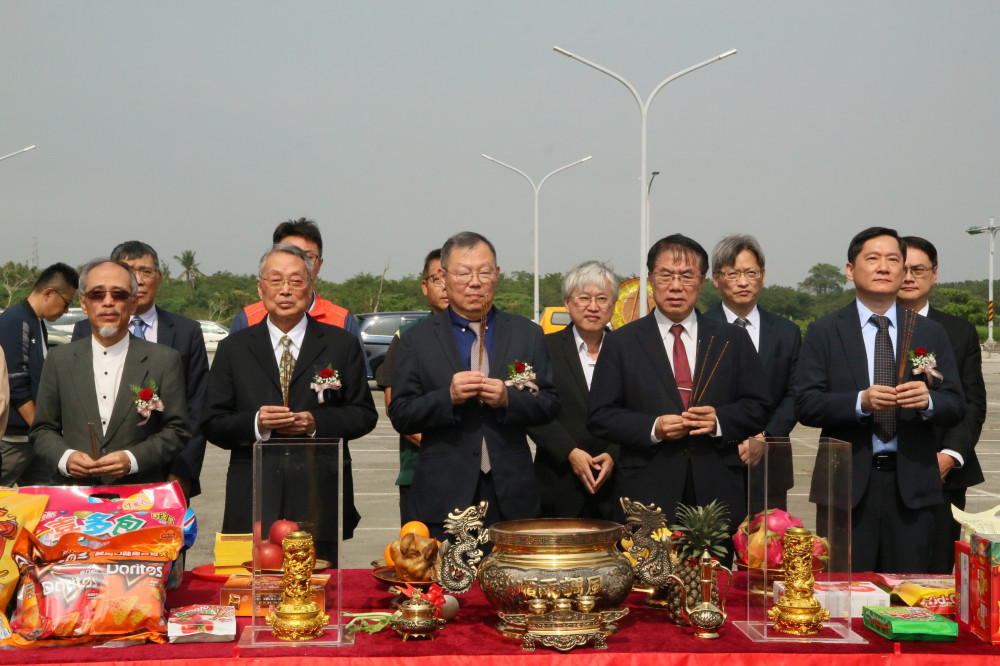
(416, 527)
(388, 556)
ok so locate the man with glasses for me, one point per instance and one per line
(304, 234)
(738, 274)
(470, 380)
(432, 285)
(263, 387)
(24, 339)
(956, 456)
(679, 392)
(111, 408)
(153, 323)
(573, 467)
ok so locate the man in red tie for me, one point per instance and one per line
(678, 392)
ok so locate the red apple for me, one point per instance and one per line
(271, 556)
(279, 529)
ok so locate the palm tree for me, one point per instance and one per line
(190, 266)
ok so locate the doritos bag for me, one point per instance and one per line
(83, 589)
(17, 514)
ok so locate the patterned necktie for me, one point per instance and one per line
(884, 421)
(682, 370)
(286, 367)
(138, 327)
(483, 367)
(742, 322)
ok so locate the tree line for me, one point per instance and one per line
(220, 296)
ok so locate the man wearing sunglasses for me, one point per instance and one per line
(111, 408)
(24, 339)
(153, 323)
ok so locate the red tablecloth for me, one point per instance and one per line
(645, 637)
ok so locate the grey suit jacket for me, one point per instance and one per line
(67, 401)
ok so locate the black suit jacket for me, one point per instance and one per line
(450, 447)
(244, 377)
(185, 336)
(964, 436)
(561, 492)
(833, 369)
(633, 385)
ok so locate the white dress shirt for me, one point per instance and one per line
(296, 335)
(150, 322)
(586, 360)
(753, 323)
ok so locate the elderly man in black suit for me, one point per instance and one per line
(678, 392)
(738, 274)
(153, 323)
(856, 382)
(573, 467)
(459, 381)
(957, 460)
(259, 389)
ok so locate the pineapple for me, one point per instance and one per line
(700, 528)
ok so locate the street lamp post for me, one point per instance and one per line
(992, 229)
(643, 111)
(536, 188)
(16, 152)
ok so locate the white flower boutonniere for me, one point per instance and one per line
(925, 363)
(325, 379)
(522, 376)
(147, 401)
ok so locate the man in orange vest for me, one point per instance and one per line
(304, 234)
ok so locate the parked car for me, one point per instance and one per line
(213, 333)
(554, 319)
(377, 330)
(66, 322)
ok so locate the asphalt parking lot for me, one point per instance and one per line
(376, 464)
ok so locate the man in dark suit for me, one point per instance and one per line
(449, 385)
(153, 323)
(679, 392)
(854, 380)
(957, 460)
(110, 407)
(572, 466)
(738, 274)
(260, 389)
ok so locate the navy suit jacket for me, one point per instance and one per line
(450, 448)
(185, 336)
(562, 493)
(964, 436)
(244, 377)
(833, 369)
(634, 385)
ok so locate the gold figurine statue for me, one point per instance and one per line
(797, 611)
(297, 617)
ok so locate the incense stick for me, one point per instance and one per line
(93, 441)
(909, 322)
(482, 330)
(701, 394)
(700, 366)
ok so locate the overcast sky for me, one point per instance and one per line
(201, 125)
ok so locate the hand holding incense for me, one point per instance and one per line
(94, 452)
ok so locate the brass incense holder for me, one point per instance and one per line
(797, 611)
(297, 617)
(416, 619)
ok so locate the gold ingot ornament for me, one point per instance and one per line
(297, 617)
(797, 611)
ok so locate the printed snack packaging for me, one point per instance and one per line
(984, 587)
(19, 515)
(83, 589)
(901, 623)
(202, 623)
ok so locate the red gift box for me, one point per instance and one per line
(984, 587)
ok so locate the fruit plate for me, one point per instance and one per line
(387, 574)
(320, 565)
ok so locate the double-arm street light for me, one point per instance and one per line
(536, 188)
(643, 110)
(16, 152)
(992, 229)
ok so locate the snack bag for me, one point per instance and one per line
(17, 514)
(83, 589)
(202, 623)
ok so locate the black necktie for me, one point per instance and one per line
(884, 421)
(741, 322)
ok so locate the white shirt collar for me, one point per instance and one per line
(753, 318)
(149, 317)
(297, 333)
(120, 348)
(690, 324)
(581, 345)
(865, 314)
(924, 310)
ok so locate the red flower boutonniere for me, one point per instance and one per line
(925, 362)
(147, 401)
(521, 375)
(326, 379)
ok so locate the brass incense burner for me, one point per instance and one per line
(797, 611)
(297, 617)
(416, 619)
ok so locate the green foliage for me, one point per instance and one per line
(16, 281)
(823, 279)
(960, 303)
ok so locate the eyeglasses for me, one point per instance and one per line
(312, 256)
(295, 282)
(66, 304)
(98, 295)
(732, 276)
(144, 272)
(917, 271)
(584, 301)
(485, 277)
(664, 278)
